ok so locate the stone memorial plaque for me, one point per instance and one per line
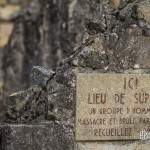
(112, 106)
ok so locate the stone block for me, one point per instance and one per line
(3, 2)
(5, 32)
(7, 12)
(48, 136)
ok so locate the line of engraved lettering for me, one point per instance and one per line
(91, 121)
(113, 132)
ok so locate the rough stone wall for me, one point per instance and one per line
(42, 33)
(116, 40)
(8, 10)
(35, 137)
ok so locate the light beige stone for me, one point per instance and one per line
(7, 11)
(115, 3)
(5, 32)
(2, 2)
(143, 11)
(112, 106)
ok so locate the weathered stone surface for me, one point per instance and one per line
(44, 33)
(128, 145)
(6, 13)
(116, 43)
(23, 107)
(111, 106)
(115, 3)
(46, 136)
(36, 26)
(22, 47)
(47, 100)
(60, 93)
(143, 11)
(41, 75)
(20, 2)
(3, 2)
(5, 32)
(1, 84)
